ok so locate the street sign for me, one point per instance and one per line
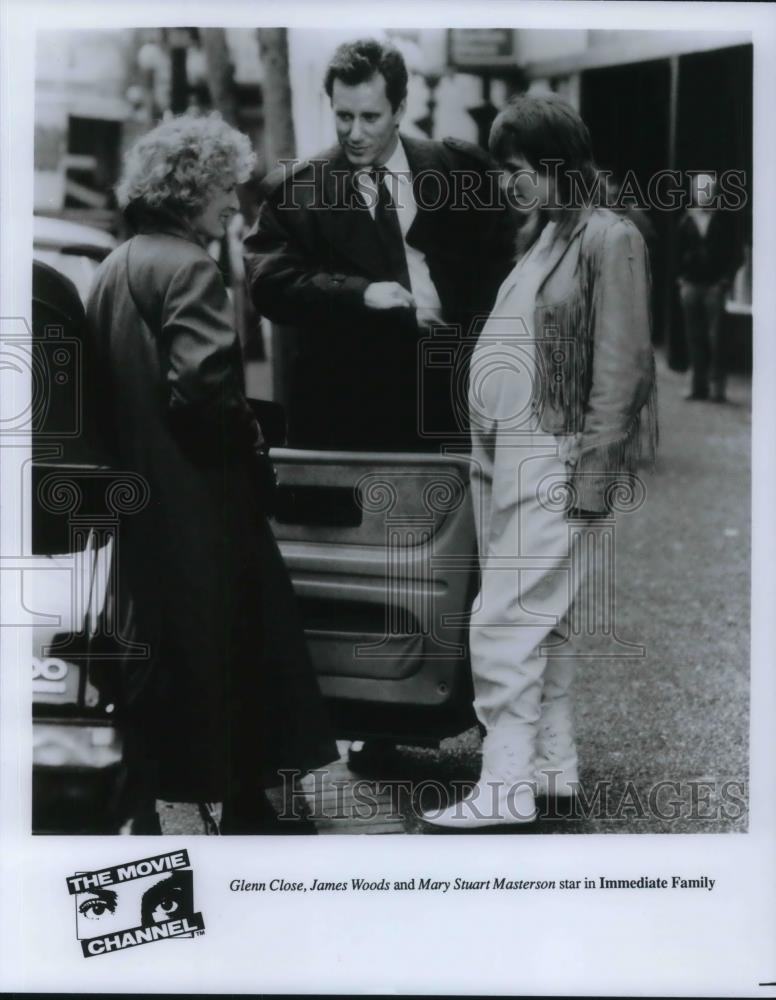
(481, 48)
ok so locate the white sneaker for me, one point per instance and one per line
(491, 802)
(505, 793)
(557, 769)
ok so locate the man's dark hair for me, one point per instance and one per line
(356, 62)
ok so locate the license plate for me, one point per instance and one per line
(54, 681)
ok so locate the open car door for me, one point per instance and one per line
(381, 551)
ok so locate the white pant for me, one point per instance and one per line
(527, 588)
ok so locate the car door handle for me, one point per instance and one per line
(330, 506)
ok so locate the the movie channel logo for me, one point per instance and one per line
(135, 903)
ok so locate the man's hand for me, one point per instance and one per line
(387, 295)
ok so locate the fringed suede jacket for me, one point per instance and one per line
(594, 347)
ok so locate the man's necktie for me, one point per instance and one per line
(387, 222)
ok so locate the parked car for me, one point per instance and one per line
(72, 249)
(76, 743)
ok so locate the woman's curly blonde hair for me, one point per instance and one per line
(178, 164)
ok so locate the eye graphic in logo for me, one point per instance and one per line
(172, 897)
(142, 902)
(97, 903)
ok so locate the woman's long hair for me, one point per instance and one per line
(552, 137)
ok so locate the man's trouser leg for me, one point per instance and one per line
(714, 301)
(692, 298)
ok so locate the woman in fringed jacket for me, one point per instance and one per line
(562, 397)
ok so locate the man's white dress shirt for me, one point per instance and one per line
(399, 176)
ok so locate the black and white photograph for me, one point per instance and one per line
(378, 437)
(378, 581)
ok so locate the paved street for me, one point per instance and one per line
(678, 714)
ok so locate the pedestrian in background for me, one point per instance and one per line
(227, 696)
(562, 379)
(709, 255)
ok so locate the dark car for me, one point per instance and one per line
(76, 744)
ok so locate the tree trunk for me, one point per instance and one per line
(279, 139)
(279, 143)
(220, 73)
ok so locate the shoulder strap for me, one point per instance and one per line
(128, 272)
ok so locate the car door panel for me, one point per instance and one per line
(384, 596)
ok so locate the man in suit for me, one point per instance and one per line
(378, 251)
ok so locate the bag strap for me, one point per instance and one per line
(128, 272)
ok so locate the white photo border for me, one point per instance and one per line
(721, 943)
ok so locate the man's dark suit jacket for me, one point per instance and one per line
(362, 378)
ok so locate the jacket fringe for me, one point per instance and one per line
(564, 351)
(565, 355)
(636, 446)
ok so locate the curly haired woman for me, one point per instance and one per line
(226, 696)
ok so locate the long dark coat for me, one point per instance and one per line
(359, 377)
(227, 695)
